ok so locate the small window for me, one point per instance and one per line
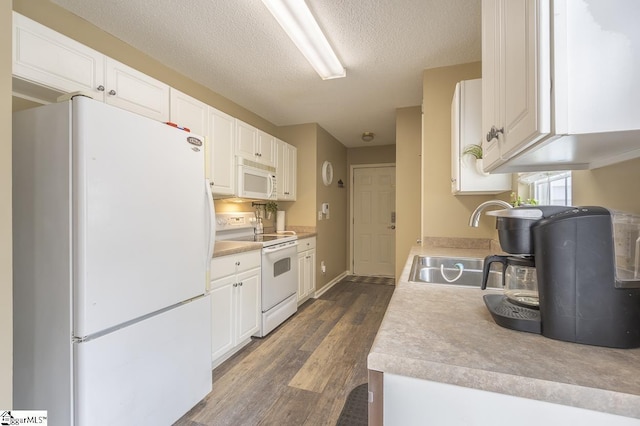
(548, 188)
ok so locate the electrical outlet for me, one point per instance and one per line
(323, 268)
(320, 215)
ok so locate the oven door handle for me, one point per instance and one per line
(275, 249)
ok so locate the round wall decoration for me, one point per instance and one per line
(327, 173)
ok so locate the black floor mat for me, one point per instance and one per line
(355, 410)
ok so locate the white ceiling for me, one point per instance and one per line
(237, 49)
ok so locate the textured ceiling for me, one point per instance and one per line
(236, 48)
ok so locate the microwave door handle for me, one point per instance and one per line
(270, 186)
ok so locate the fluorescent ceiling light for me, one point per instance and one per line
(296, 19)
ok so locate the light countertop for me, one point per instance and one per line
(225, 248)
(444, 333)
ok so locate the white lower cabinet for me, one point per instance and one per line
(411, 401)
(235, 303)
(306, 268)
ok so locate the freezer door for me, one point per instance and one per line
(139, 216)
(149, 373)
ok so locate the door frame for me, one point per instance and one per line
(351, 219)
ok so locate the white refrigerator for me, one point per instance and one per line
(113, 232)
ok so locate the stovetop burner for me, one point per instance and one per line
(266, 239)
(239, 226)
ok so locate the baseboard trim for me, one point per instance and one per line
(330, 284)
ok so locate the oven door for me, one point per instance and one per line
(279, 273)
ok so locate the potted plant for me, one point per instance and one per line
(475, 150)
(271, 208)
(517, 201)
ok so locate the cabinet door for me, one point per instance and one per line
(189, 112)
(222, 136)
(469, 177)
(301, 276)
(286, 171)
(134, 91)
(525, 73)
(248, 304)
(51, 59)
(490, 81)
(246, 136)
(222, 316)
(310, 272)
(266, 149)
(291, 172)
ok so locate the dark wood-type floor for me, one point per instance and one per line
(302, 372)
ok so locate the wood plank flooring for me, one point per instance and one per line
(302, 372)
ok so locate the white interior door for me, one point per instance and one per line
(374, 198)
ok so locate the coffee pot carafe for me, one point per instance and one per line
(518, 279)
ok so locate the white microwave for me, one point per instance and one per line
(256, 181)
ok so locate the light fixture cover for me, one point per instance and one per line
(368, 136)
(296, 19)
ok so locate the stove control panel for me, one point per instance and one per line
(235, 220)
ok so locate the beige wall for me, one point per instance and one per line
(304, 138)
(615, 187)
(66, 23)
(332, 233)
(408, 162)
(6, 306)
(446, 215)
(371, 155)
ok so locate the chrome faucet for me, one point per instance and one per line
(474, 220)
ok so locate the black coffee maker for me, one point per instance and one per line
(587, 262)
(515, 236)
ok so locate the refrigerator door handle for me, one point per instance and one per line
(212, 221)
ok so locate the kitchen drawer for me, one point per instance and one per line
(234, 263)
(306, 244)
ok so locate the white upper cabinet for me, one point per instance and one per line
(467, 176)
(186, 111)
(515, 61)
(246, 136)
(219, 129)
(134, 91)
(266, 149)
(222, 137)
(255, 145)
(559, 89)
(286, 171)
(47, 58)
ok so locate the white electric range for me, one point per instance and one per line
(279, 266)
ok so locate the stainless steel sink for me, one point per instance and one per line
(460, 271)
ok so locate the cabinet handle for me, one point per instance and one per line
(494, 132)
(112, 92)
(235, 284)
(240, 283)
(238, 263)
(100, 88)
